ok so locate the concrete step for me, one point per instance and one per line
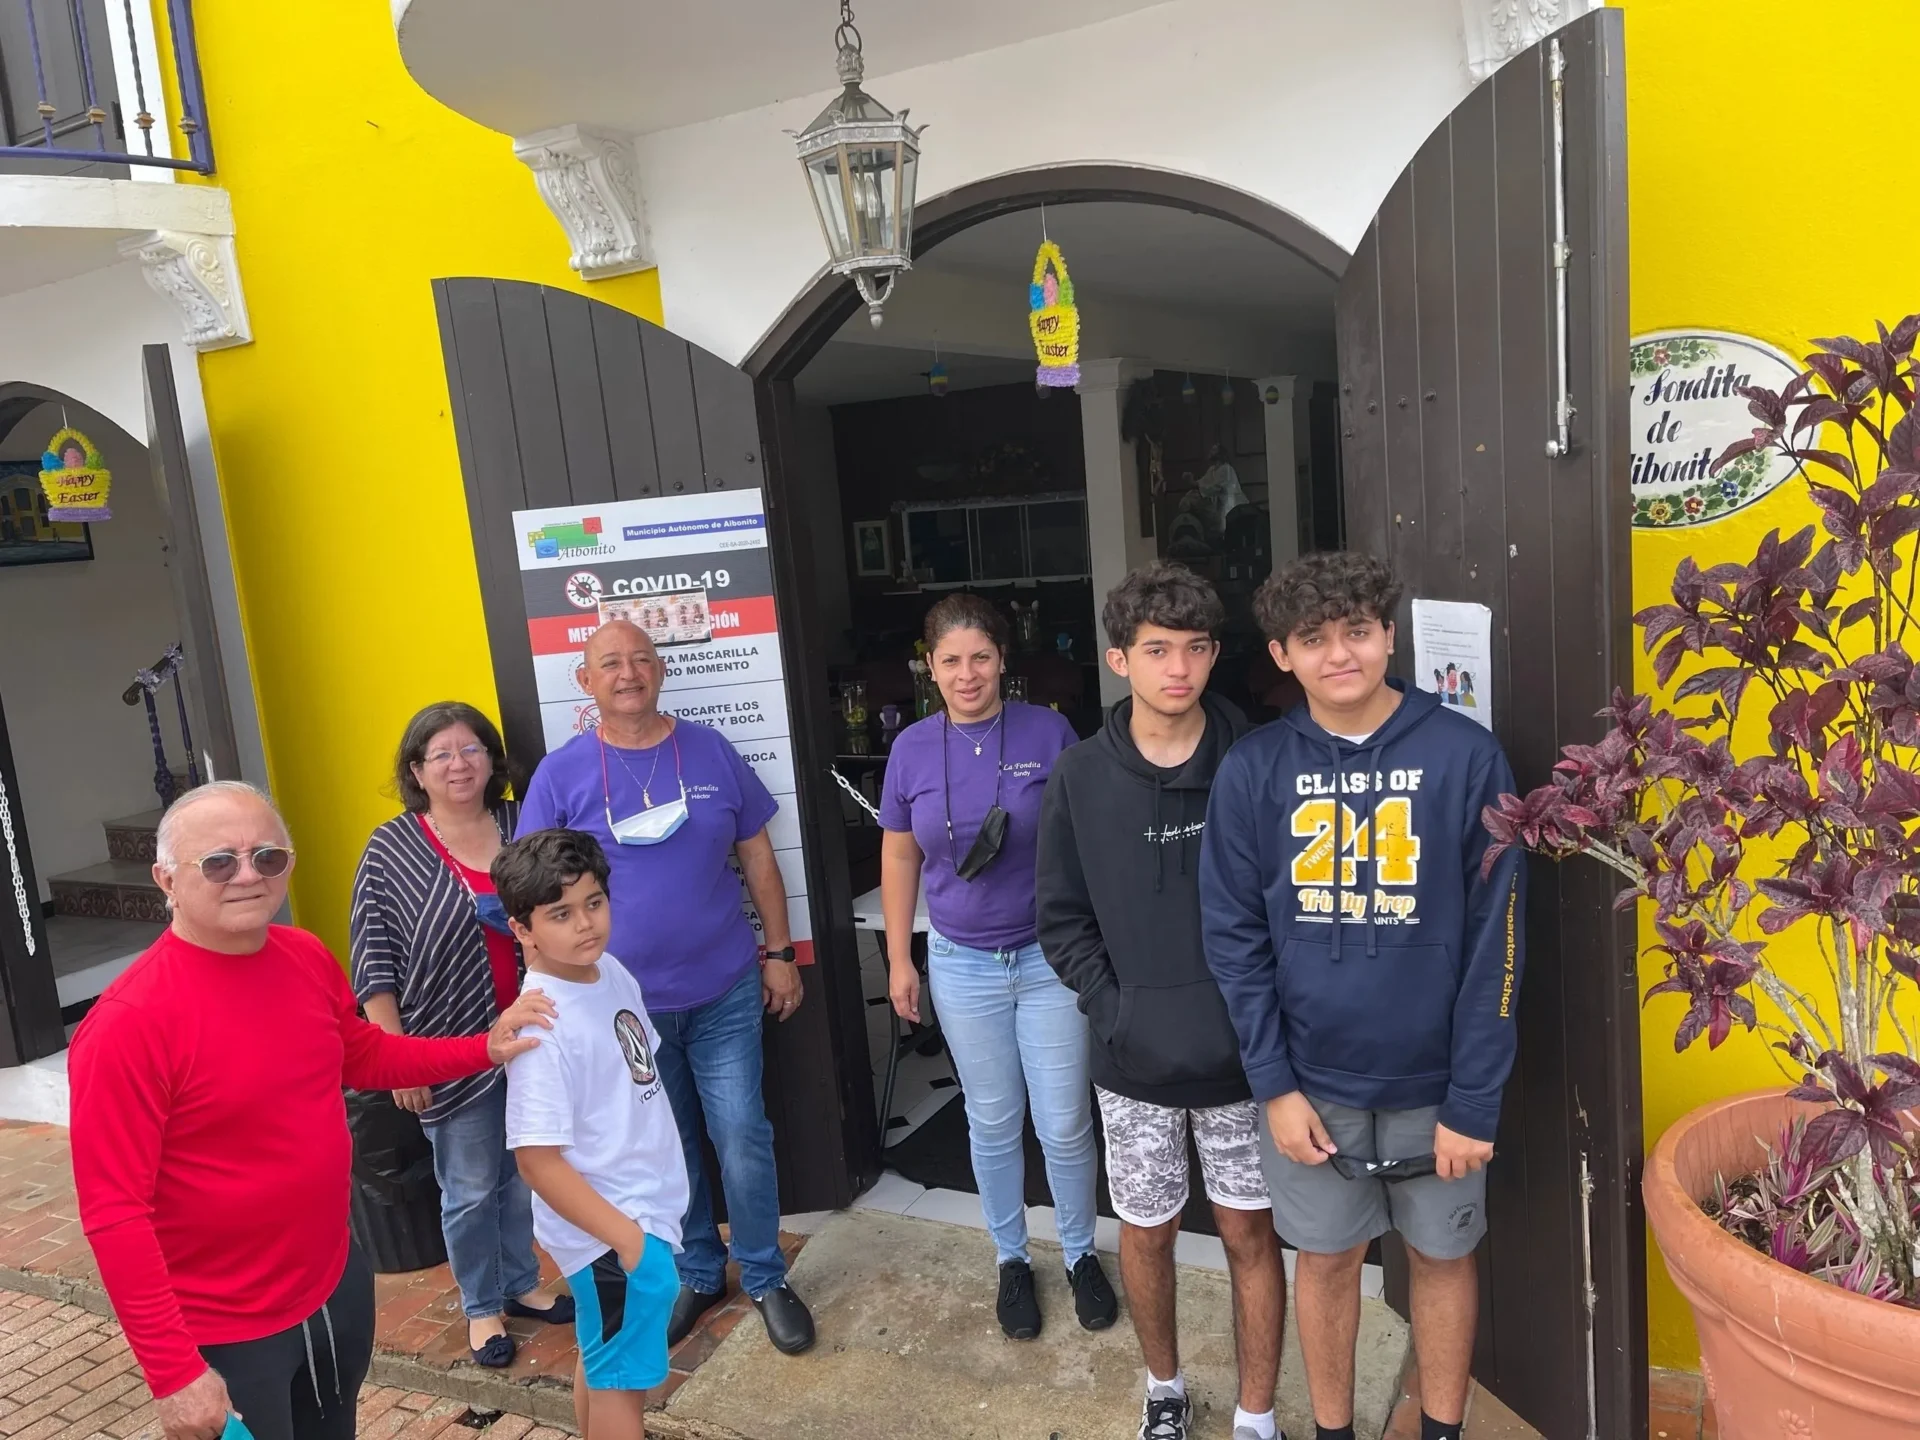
(111, 890)
(131, 838)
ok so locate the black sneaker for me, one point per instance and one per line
(1019, 1306)
(1093, 1298)
(1166, 1417)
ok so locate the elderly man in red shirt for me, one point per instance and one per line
(210, 1147)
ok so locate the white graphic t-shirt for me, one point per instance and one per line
(592, 1087)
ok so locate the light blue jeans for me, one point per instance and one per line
(1017, 1036)
(486, 1211)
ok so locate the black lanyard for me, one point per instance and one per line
(946, 780)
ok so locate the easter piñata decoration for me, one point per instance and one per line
(1054, 319)
(75, 478)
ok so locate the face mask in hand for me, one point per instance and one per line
(491, 913)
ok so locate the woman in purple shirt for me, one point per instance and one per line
(961, 809)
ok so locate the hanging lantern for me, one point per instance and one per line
(1054, 320)
(75, 478)
(1271, 395)
(937, 379)
(1187, 392)
(860, 159)
(1226, 391)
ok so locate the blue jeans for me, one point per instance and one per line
(486, 1211)
(1017, 1036)
(710, 1058)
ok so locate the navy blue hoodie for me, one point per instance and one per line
(1410, 1000)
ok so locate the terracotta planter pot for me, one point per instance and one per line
(1784, 1356)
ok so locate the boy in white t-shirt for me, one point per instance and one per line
(590, 1124)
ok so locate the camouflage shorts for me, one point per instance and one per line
(1147, 1157)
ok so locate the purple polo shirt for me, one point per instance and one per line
(994, 910)
(678, 919)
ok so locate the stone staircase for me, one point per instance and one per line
(120, 887)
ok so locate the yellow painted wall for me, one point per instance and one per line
(1757, 207)
(352, 190)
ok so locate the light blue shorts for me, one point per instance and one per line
(621, 1317)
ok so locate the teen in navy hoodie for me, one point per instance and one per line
(1371, 973)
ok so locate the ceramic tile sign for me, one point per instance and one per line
(1687, 408)
(693, 572)
(1453, 655)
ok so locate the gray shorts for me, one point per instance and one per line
(1147, 1157)
(1321, 1211)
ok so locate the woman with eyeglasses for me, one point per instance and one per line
(432, 955)
(961, 811)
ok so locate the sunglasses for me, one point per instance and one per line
(222, 867)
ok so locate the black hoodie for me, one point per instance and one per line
(1118, 885)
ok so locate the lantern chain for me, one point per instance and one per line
(847, 36)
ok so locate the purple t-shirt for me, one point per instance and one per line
(994, 910)
(678, 921)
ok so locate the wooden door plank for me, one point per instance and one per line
(483, 424)
(535, 396)
(576, 379)
(1608, 979)
(1437, 396)
(729, 433)
(1362, 428)
(676, 425)
(623, 398)
(1400, 394)
(1483, 578)
(1545, 1395)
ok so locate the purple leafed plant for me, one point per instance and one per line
(1735, 833)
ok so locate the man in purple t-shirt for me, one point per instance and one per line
(671, 802)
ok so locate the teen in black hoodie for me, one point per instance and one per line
(1117, 884)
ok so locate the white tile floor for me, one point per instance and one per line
(924, 1083)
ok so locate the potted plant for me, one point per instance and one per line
(1771, 818)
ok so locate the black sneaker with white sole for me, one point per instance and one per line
(1018, 1306)
(1093, 1299)
(1165, 1417)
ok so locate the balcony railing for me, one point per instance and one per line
(80, 84)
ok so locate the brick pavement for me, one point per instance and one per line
(419, 1331)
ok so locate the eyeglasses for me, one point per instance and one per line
(222, 867)
(472, 754)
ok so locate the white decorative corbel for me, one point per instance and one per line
(586, 177)
(1498, 30)
(201, 276)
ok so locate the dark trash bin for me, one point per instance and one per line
(395, 1201)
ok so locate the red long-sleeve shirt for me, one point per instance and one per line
(210, 1149)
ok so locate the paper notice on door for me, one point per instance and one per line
(1453, 655)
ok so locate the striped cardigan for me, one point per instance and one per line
(415, 936)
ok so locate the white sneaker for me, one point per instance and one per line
(1166, 1417)
(1247, 1432)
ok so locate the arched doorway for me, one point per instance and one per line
(1461, 345)
(1447, 309)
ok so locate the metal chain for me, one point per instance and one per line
(858, 798)
(13, 860)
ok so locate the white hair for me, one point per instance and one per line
(163, 852)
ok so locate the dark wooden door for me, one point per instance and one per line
(1448, 336)
(561, 400)
(205, 674)
(30, 1025)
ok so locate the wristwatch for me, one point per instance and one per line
(785, 952)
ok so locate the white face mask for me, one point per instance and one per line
(654, 823)
(649, 827)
